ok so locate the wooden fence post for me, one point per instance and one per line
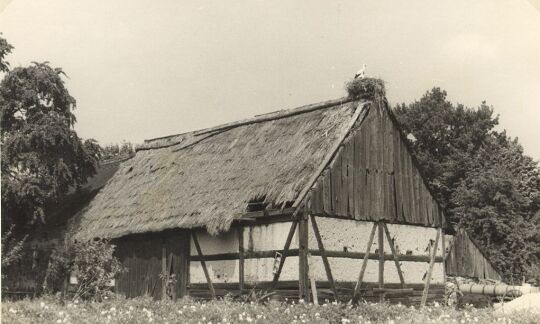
(303, 292)
(381, 260)
(430, 270)
(240, 234)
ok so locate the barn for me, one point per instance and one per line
(320, 202)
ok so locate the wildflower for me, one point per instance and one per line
(11, 310)
(42, 304)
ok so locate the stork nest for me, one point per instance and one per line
(366, 88)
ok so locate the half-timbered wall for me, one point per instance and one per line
(257, 238)
(412, 243)
(373, 177)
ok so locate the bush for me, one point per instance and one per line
(91, 262)
(366, 88)
(12, 249)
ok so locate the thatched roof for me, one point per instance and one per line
(207, 178)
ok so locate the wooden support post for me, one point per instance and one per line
(315, 297)
(303, 292)
(203, 264)
(240, 234)
(443, 248)
(364, 264)
(430, 270)
(163, 270)
(292, 230)
(381, 259)
(324, 257)
(394, 253)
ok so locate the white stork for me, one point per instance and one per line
(361, 73)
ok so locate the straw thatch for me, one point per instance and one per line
(207, 178)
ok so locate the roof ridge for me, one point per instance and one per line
(260, 118)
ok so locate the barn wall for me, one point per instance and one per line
(142, 256)
(256, 238)
(466, 260)
(373, 177)
(352, 236)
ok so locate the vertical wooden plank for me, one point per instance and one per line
(303, 291)
(163, 270)
(350, 177)
(381, 260)
(430, 270)
(443, 249)
(240, 233)
(356, 175)
(397, 176)
(324, 257)
(364, 264)
(326, 192)
(203, 264)
(366, 189)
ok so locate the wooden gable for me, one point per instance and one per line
(374, 177)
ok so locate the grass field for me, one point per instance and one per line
(144, 310)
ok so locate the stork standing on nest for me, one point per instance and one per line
(361, 73)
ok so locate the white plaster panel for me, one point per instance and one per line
(348, 270)
(222, 243)
(219, 271)
(268, 237)
(257, 270)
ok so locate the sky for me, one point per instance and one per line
(143, 69)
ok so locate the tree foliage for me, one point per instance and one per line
(42, 155)
(483, 178)
(5, 49)
(113, 151)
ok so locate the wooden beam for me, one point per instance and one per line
(303, 288)
(315, 297)
(284, 254)
(394, 253)
(381, 259)
(364, 264)
(267, 213)
(314, 252)
(324, 257)
(240, 233)
(203, 264)
(430, 270)
(443, 248)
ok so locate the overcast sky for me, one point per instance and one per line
(143, 69)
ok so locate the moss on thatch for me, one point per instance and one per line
(366, 88)
(207, 178)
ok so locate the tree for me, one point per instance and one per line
(5, 49)
(42, 156)
(483, 178)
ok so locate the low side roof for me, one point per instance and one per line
(206, 178)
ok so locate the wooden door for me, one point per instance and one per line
(150, 260)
